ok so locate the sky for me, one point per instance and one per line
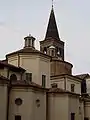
(18, 18)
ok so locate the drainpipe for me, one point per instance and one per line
(47, 106)
(8, 87)
(8, 73)
(8, 98)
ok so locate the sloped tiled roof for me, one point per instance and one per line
(11, 66)
(59, 90)
(3, 80)
(28, 50)
(82, 76)
(24, 83)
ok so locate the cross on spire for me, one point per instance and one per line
(52, 3)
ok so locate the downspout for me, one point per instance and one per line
(8, 73)
(8, 98)
(47, 106)
(8, 94)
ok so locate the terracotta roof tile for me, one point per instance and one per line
(28, 50)
(59, 90)
(3, 80)
(82, 76)
(24, 83)
(67, 75)
(11, 66)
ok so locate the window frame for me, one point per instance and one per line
(86, 118)
(17, 117)
(72, 87)
(43, 81)
(72, 116)
(13, 77)
(52, 52)
(54, 85)
(28, 76)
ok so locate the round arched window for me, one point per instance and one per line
(13, 77)
(18, 101)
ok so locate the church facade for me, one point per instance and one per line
(39, 85)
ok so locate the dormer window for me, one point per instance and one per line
(72, 87)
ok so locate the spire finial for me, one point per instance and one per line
(52, 3)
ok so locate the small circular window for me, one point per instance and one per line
(18, 101)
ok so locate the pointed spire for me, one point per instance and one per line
(52, 31)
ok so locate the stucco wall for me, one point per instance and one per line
(3, 72)
(58, 107)
(28, 110)
(3, 102)
(77, 88)
(81, 110)
(60, 83)
(25, 109)
(65, 83)
(7, 73)
(60, 67)
(31, 64)
(39, 113)
(87, 110)
(88, 85)
(74, 107)
(13, 60)
(45, 70)
(18, 74)
(37, 66)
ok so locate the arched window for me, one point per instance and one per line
(13, 77)
(52, 52)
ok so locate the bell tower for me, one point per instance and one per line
(52, 44)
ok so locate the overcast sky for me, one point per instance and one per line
(18, 18)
